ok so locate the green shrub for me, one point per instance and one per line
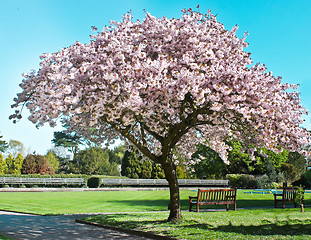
(275, 185)
(241, 180)
(94, 182)
(263, 181)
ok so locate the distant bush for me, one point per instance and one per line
(241, 180)
(94, 182)
(263, 181)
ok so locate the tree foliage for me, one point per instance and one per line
(134, 166)
(3, 166)
(15, 147)
(14, 165)
(69, 140)
(208, 164)
(165, 85)
(36, 164)
(3, 145)
(53, 161)
(95, 160)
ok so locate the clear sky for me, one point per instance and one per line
(279, 37)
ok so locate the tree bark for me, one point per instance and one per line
(174, 206)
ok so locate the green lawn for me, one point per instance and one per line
(109, 201)
(249, 223)
(242, 224)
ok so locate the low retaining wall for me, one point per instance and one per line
(164, 183)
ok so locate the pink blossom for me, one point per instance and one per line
(165, 84)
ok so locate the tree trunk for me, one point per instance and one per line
(174, 206)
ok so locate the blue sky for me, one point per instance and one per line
(279, 37)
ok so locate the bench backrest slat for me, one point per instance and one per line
(216, 195)
(289, 193)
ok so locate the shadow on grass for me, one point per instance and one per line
(163, 204)
(287, 227)
(290, 227)
(147, 204)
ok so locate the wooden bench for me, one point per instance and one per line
(213, 197)
(288, 195)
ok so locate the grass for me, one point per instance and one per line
(242, 224)
(3, 237)
(262, 223)
(110, 201)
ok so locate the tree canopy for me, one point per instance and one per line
(165, 85)
(3, 144)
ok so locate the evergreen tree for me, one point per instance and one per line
(18, 163)
(95, 160)
(9, 161)
(298, 161)
(209, 165)
(133, 166)
(3, 167)
(67, 140)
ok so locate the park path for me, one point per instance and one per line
(64, 227)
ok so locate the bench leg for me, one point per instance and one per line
(227, 207)
(198, 207)
(283, 204)
(235, 206)
(190, 207)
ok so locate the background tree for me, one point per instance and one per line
(290, 172)
(3, 167)
(3, 145)
(165, 85)
(53, 161)
(131, 166)
(14, 165)
(208, 164)
(36, 164)
(298, 161)
(69, 140)
(240, 161)
(29, 165)
(135, 166)
(95, 160)
(15, 147)
(43, 166)
(117, 154)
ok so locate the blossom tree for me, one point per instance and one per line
(165, 85)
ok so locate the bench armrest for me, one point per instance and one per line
(278, 194)
(192, 198)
